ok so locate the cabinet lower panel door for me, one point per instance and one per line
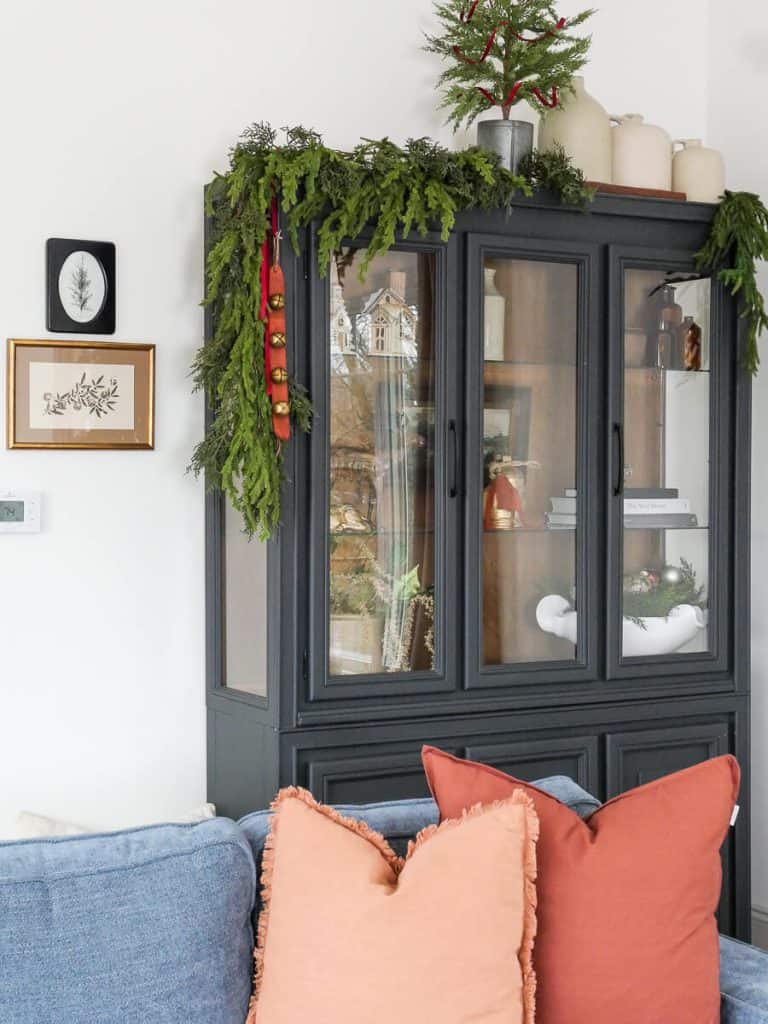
(637, 758)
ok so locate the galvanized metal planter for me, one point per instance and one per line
(512, 140)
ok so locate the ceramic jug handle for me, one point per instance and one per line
(683, 142)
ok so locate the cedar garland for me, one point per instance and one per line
(395, 191)
(737, 241)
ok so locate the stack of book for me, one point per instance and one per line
(563, 514)
(644, 509)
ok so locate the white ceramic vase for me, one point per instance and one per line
(495, 315)
(642, 153)
(583, 128)
(698, 171)
(657, 635)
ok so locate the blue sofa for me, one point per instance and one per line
(155, 925)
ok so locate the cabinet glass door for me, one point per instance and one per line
(528, 492)
(662, 466)
(381, 422)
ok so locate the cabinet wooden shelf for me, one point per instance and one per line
(332, 657)
(508, 373)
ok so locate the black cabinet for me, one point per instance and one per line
(574, 756)
(518, 529)
(635, 758)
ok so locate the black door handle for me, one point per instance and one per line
(618, 433)
(453, 460)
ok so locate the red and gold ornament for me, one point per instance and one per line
(275, 344)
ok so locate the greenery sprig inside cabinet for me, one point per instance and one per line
(518, 530)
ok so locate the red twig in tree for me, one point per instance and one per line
(466, 16)
(492, 38)
(551, 103)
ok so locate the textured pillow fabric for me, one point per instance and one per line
(150, 926)
(353, 934)
(626, 899)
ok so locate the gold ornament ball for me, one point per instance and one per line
(277, 301)
(279, 375)
(277, 340)
(281, 409)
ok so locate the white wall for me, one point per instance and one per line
(739, 53)
(113, 116)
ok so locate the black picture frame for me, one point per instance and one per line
(63, 299)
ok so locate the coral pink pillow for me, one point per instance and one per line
(627, 899)
(352, 934)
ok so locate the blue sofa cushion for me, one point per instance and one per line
(399, 821)
(149, 926)
(743, 983)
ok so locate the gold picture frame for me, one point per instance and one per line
(106, 402)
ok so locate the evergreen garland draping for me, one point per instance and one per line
(395, 191)
(737, 242)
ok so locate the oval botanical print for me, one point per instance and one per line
(82, 286)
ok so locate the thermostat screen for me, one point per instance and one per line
(11, 511)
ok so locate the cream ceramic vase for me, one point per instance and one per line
(583, 128)
(698, 171)
(642, 153)
(495, 317)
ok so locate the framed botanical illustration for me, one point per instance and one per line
(72, 394)
(80, 286)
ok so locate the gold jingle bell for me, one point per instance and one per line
(279, 375)
(277, 340)
(281, 409)
(277, 301)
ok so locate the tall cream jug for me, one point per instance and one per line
(582, 127)
(698, 171)
(642, 153)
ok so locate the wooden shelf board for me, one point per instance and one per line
(629, 190)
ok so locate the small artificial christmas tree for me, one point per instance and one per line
(500, 52)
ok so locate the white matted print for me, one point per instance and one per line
(82, 286)
(83, 396)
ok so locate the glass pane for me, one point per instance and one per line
(245, 608)
(529, 461)
(666, 476)
(381, 517)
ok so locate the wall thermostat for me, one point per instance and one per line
(19, 512)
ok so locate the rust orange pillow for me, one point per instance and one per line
(352, 934)
(627, 899)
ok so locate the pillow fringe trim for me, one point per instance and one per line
(530, 872)
(397, 864)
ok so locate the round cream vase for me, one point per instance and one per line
(583, 128)
(642, 154)
(698, 171)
